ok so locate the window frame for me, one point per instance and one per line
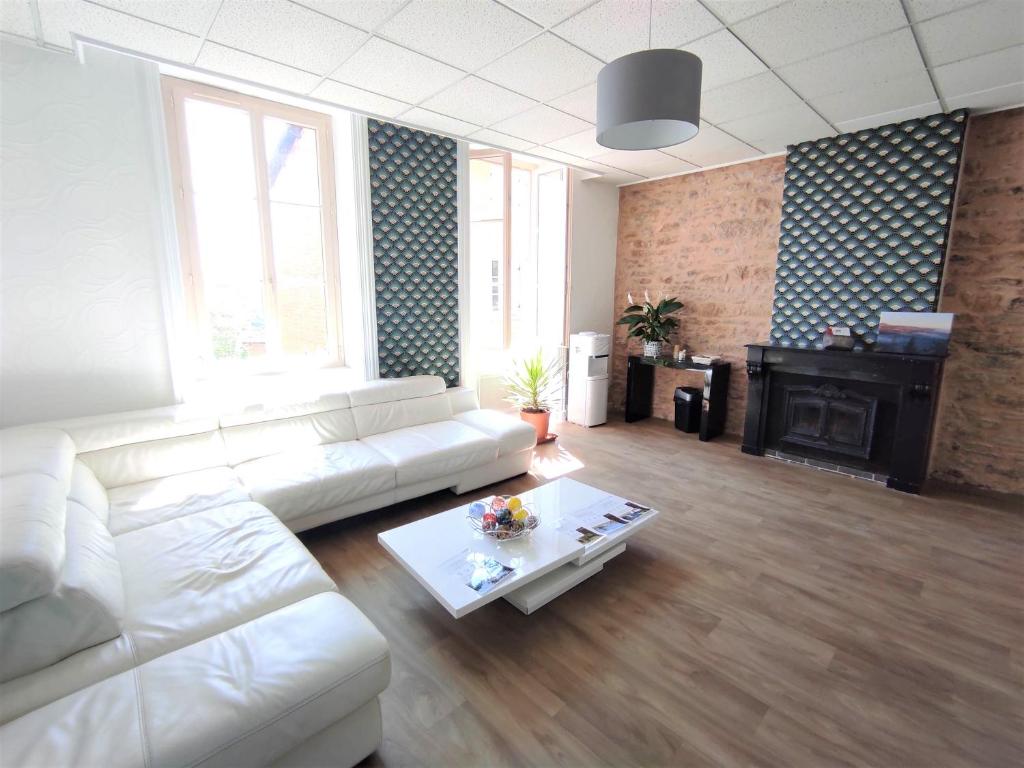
(175, 91)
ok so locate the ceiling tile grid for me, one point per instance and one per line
(521, 74)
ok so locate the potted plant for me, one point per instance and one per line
(652, 323)
(530, 386)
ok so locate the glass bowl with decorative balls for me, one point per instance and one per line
(502, 517)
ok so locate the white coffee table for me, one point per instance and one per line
(444, 553)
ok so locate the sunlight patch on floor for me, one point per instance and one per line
(550, 466)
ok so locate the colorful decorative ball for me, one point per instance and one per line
(477, 509)
(519, 514)
(489, 521)
(515, 503)
(498, 502)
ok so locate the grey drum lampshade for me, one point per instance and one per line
(648, 99)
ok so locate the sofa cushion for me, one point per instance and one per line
(243, 697)
(305, 481)
(36, 450)
(387, 417)
(434, 450)
(191, 577)
(154, 501)
(252, 441)
(138, 462)
(512, 433)
(184, 580)
(85, 608)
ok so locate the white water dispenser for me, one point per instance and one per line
(588, 378)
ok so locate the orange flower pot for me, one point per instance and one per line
(539, 420)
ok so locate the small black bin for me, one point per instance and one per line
(688, 408)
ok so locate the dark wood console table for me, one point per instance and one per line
(640, 390)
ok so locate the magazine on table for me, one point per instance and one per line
(478, 571)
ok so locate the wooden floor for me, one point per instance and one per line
(773, 615)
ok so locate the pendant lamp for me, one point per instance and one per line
(649, 99)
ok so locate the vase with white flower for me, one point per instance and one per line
(651, 323)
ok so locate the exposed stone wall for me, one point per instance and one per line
(711, 239)
(980, 434)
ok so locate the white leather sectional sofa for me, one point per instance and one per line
(155, 608)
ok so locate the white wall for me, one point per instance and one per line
(595, 217)
(83, 241)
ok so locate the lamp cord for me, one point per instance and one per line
(650, 22)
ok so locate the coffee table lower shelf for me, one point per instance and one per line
(543, 590)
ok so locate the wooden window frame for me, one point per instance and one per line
(175, 91)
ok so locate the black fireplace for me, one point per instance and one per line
(867, 413)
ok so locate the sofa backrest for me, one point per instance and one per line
(35, 476)
(252, 434)
(135, 446)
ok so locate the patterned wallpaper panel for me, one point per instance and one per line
(865, 218)
(415, 251)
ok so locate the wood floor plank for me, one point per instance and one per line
(773, 615)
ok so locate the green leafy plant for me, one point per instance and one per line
(532, 382)
(651, 322)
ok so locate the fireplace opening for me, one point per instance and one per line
(829, 419)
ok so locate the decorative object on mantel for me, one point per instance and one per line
(706, 359)
(649, 99)
(651, 322)
(914, 333)
(837, 337)
(530, 386)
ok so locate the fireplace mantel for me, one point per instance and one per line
(903, 388)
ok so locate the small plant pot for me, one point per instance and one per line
(539, 420)
(652, 348)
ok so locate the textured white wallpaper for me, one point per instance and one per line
(81, 246)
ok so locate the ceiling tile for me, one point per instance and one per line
(365, 14)
(613, 175)
(60, 18)
(432, 121)
(920, 10)
(478, 101)
(773, 131)
(876, 98)
(582, 144)
(286, 33)
(973, 31)
(500, 140)
(855, 66)
(613, 28)
(396, 72)
(712, 146)
(887, 118)
(582, 103)
(553, 154)
(731, 11)
(16, 18)
(799, 30)
(644, 162)
(192, 16)
(993, 98)
(547, 13)
(981, 73)
(463, 33)
(760, 93)
(541, 125)
(725, 59)
(358, 100)
(543, 68)
(245, 66)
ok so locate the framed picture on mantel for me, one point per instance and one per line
(914, 333)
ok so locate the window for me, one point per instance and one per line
(517, 246)
(256, 215)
